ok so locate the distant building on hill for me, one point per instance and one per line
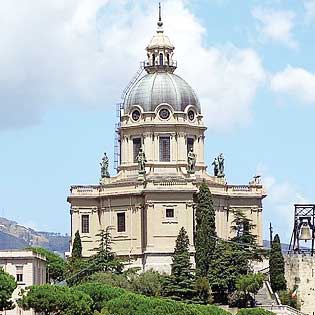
(27, 268)
(160, 164)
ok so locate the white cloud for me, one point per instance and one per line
(83, 53)
(309, 6)
(297, 82)
(279, 203)
(275, 25)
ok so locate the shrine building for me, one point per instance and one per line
(152, 195)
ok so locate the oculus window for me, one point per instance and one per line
(165, 149)
(85, 223)
(121, 222)
(164, 113)
(136, 115)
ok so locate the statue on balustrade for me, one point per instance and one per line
(218, 164)
(221, 165)
(215, 164)
(104, 167)
(191, 158)
(141, 159)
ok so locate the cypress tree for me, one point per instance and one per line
(276, 266)
(77, 246)
(180, 284)
(205, 233)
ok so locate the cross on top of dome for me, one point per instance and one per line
(160, 51)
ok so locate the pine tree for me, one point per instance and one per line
(205, 235)
(77, 246)
(276, 266)
(180, 284)
(104, 258)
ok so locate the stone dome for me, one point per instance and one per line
(160, 40)
(161, 87)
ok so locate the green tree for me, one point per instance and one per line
(76, 247)
(51, 299)
(228, 264)
(180, 284)
(203, 291)
(7, 286)
(105, 259)
(56, 266)
(148, 283)
(247, 286)
(276, 266)
(205, 234)
(232, 259)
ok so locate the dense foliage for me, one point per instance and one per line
(205, 235)
(254, 311)
(56, 266)
(247, 286)
(232, 259)
(76, 247)
(276, 266)
(52, 299)
(289, 298)
(180, 284)
(104, 258)
(98, 298)
(7, 286)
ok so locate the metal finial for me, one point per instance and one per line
(160, 23)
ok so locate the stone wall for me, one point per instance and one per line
(299, 271)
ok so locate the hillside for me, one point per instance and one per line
(16, 236)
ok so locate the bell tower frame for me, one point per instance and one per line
(303, 229)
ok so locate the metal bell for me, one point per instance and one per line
(305, 233)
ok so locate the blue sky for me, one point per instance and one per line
(64, 68)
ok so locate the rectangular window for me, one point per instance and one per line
(121, 222)
(190, 144)
(165, 149)
(169, 213)
(136, 148)
(85, 223)
(19, 273)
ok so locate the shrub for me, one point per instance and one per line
(134, 304)
(100, 293)
(148, 283)
(287, 299)
(254, 311)
(111, 279)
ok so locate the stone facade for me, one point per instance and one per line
(300, 273)
(27, 268)
(161, 115)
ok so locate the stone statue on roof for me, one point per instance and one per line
(215, 164)
(191, 158)
(221, 165)
(218, 164)
(141, 159)
(104, 167)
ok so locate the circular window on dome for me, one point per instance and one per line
(136, 115)
(191, 115)
(164, 113)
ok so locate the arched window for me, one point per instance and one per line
(168, 59)
(161, 59)
(153, 59)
